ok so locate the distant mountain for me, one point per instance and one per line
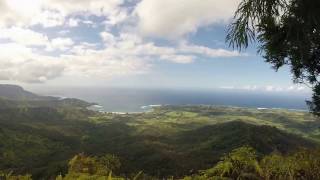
(230, 135)
(17, 93)
(13, 96)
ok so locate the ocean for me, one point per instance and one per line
(136, 100)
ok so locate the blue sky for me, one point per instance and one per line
(129, 43)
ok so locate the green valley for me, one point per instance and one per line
(40, 137)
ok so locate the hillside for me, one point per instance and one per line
(160, 147)
(200, 148)
(224, 137)
(56, 140)
(39, 136)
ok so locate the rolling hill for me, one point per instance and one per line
(39, 136)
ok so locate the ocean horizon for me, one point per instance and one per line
(137, 100)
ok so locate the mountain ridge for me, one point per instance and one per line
(14, 96)
(18, 93)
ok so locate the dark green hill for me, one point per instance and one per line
(41, 140)
(207, 144)
(230, 135)
(53, 103)
(202, 147)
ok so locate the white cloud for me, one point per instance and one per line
(30, 56)
(24, 36)
(29, 37)
(49, 18)
(298, 88)
(96, 7)
(182, 59)
(108, 38)
(250, 88)
(270, 88)
(82, 48)
(133, 45)
(51, 13)
(18, 12)
(110, 9)
(35, 71)
(62, 44)
(227, 87)
(19, 63)
(206, 51)
(102, 66)
(73, 22)
(174, 18)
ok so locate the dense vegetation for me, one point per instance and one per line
(240, 163)
(40, 137)
(244, 163)
(288, 33)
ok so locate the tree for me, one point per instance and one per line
(288, 33)
(277, 166)
(110, 162)
(241, 163)
(9, 176)
(94, 165)
(84, 167)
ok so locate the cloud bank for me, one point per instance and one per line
(175, 18)
(269, 88)
(33, 51)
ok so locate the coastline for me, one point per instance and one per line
(150, 108)
(145, 109)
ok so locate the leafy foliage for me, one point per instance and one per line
(288, 33)
(240, 163)
(243, 163)
(86, 167)
(9, 176)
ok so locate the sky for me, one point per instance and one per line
(129, 43)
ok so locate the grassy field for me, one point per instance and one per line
(165, 120)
